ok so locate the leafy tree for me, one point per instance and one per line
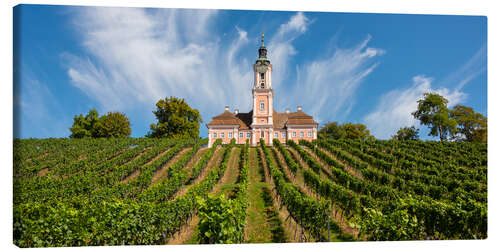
(113, 124)
(332, 130)
(347, 130)
(356, 131)
(406, 134)
(84, 126)
(472, 125)
(432, 112)
(176, 119)
(91, 125)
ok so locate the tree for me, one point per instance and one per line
(113, 124)
(332, 130)
(472, 125)
(356, 131)
(84, 126)
(347, 130)
(432, 112)
(110, 125)
(406, 134)
(176, 119)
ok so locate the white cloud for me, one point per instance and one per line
(475, 66)
(326, 87)
(395, 107)
(280, 46)
(137, 56)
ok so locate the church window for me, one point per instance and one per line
(241, 135)
(283, 135)
(262, 85)
(262, 76)
(215, 135)
(262, 134)
(221, 134)
(262, 106)
(294, 134)
(230, 135)
(248, 135)
(275, 134)
(301, 134)
(309, 134)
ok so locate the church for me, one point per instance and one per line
(262, 121)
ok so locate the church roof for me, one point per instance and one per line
(280, 120)
(228, 118)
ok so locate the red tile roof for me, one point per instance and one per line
(280, 120)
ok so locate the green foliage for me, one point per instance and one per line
(471, 125)
(357, 131)
(432, 112)
(221, 220)
(84, 126)
(348, 130)
(389, 189)
(176, 119)
(406, 133)
(332, 130)
(399, 225)
(113, 124)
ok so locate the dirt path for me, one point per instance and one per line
(335, 212)
(188, 231)
(215, 160)
(161, 173)
(138, 171)
(257, 229)
(326, 169)
(347, 167)
(226, 183)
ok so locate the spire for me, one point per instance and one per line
(262, 52)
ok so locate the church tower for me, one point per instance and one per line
(262, 92)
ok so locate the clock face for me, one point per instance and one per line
(262, 69)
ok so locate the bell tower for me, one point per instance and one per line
(262, 93)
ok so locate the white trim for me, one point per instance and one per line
(223, 126)
(301, 126)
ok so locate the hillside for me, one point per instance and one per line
(78, 192)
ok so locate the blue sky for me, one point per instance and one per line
(345, 67)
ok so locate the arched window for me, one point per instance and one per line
(262, 106)
(262, 76)
(262, 85)
(261, 134)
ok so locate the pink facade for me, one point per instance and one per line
(262, 121)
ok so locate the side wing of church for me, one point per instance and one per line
(262, 121)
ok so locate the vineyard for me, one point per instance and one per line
(142, 191)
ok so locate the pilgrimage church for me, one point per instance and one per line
(262, 121)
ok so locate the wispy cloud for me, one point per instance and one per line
(395, 107)
(326, 87)
(281, 48)
(475, 66)
(137, 56)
